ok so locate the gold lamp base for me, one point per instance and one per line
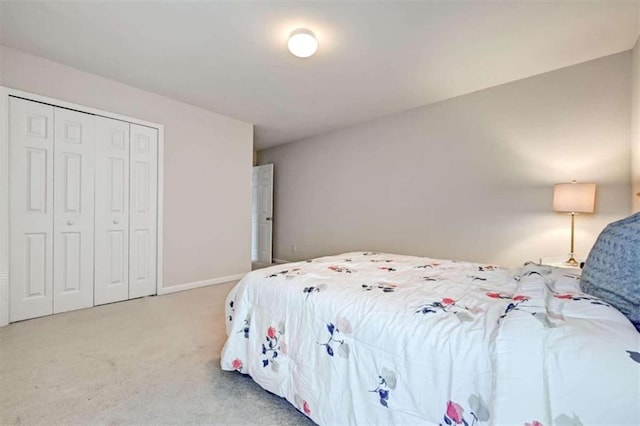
(572, 261)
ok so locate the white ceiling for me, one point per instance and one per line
(375, 58)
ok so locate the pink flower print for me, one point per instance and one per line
(236, 364)
(271, 347)
(455, 412)
(301, 404)
(487, 268)
(533, 423)
(475, 310)
(496, 295)
(339, 269)
(514, 306)
(563, 296)
(271, 332)
(343, 325)
(446, 304)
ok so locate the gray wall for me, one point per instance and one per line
(207, 168)
(468, 178)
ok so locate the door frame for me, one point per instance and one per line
(5, 94)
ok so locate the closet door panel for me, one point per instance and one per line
(143, 211)
(74, 139)
(31, 209)
(112, 211)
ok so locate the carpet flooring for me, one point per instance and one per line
(154, 360)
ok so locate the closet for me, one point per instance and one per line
(83, 209)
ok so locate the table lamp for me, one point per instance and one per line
(574, 198)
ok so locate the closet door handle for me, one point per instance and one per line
(69, 222)
(116, 221)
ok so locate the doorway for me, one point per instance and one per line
(262, 217)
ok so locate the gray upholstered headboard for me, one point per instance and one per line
(612, 269)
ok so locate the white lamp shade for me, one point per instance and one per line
(574, 197)
(302, 43)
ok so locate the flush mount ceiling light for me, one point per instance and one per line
(302, 43)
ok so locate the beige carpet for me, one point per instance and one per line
(145, 361)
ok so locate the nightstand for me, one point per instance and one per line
(559, 262)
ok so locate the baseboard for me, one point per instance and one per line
(280, 260)
(198, 284)
(4, 295)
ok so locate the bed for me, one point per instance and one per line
(375, 338)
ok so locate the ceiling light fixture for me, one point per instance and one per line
(302, 43)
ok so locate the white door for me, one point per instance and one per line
(31, 209)
(112, 211)
(143, 211)
(73, 224)
(262, 215)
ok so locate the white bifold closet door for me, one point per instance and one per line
(52, 219)
(112, 211)
(31, 209)
(83, 209)
(143, 210)
(73, 217)
(126, 211)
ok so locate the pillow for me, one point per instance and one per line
(612, 269)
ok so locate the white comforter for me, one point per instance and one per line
(368, 338)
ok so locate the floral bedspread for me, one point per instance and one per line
(374, 338)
